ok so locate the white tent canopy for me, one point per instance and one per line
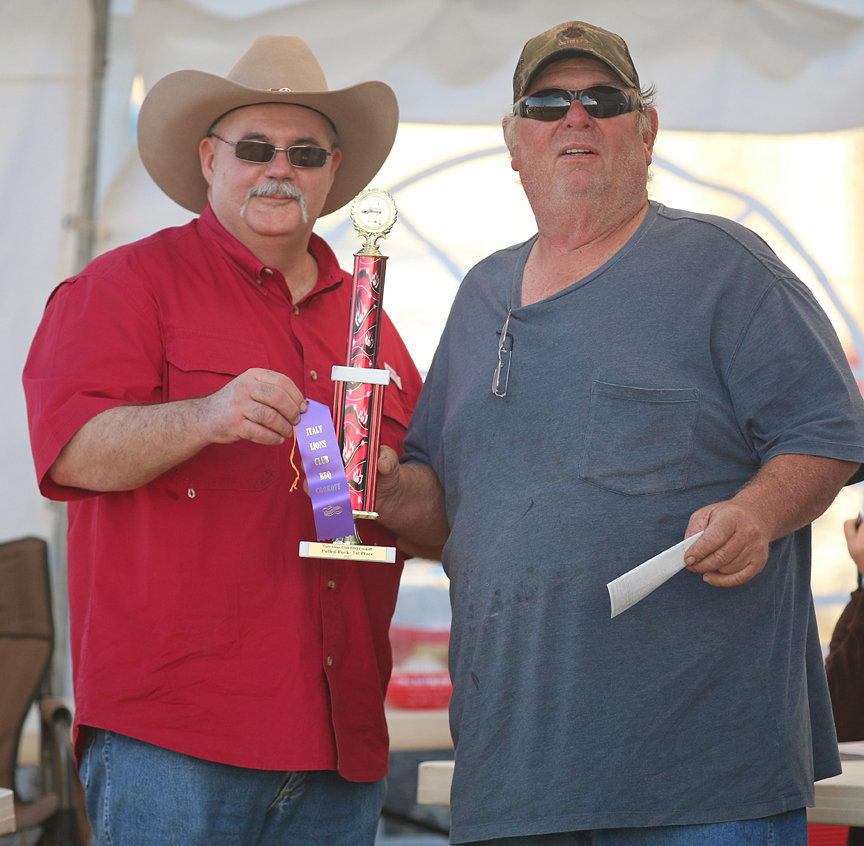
(782, 67)
(772, 66)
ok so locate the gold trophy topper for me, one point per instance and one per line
(373, 214)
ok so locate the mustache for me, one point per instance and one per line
(276, 188)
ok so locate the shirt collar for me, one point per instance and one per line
(330, 274)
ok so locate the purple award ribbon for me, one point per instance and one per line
(325, 473)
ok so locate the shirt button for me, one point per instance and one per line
(296, 309)
(313, 375)
(329, 660)
(331, 585)
(267, 271)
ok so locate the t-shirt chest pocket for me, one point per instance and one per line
(197, 366)
(639, 440)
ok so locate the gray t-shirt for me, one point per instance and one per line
(655, 386)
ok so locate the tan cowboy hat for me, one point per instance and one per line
(181, 107)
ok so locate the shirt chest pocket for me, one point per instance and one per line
(197, 366)
(639, 440)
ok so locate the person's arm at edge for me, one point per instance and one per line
(844, 664)
(787, 493)
(409, 501)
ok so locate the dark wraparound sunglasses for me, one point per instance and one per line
(600, 101)
(260, 152)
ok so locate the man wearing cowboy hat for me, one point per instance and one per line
(226, 690)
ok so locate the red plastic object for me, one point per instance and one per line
(420, 690)
(408, 641)
(827, 835)
(420, 678)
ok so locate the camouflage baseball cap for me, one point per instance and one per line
(573, 38)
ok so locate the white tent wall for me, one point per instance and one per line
(788, 71)
(721, 66)
(43, 100)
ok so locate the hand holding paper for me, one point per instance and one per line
(636, 584)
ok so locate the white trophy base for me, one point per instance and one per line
(353, 552)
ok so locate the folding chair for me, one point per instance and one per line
(26, 646)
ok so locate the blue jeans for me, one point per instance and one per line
(789, 829)
(139, 795)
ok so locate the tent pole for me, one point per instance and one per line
(61, 672)
(98, 61)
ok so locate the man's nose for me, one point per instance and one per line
(280, 164)
(577, 114)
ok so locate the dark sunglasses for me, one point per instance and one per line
(600, 101)
(260, 152)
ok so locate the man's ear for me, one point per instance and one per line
(508, 134)
(649, 135)
(207, 153)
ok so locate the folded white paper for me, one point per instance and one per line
(636, 584)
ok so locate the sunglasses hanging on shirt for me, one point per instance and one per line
(501, 378)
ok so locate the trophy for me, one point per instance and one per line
(359, 394)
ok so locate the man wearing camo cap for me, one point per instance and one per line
(655, 374)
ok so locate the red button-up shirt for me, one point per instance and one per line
(196, 626)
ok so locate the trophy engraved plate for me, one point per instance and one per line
(360, 384)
